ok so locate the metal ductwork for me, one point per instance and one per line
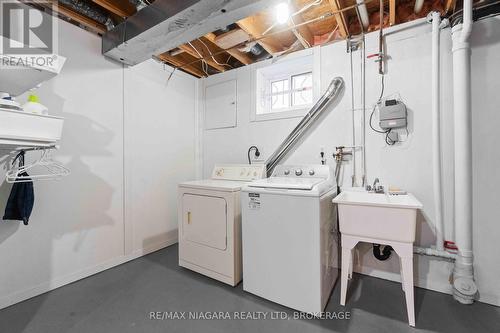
(90, 11)
(166, 24)
(138, 4)
(332, 93)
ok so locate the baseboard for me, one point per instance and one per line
(70, 278)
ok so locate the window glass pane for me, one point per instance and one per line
(280, 94)
(302, 93)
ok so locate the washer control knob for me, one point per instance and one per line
(311, 172)
(287, 172)
(298, 172)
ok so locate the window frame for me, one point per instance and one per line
(290, 92)
(264, 73)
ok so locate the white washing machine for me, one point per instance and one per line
(209, 218)
(290, 237)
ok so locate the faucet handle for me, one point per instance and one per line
(368, 188)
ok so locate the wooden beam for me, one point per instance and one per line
(392, 12)
(341, 21)
(450, 6)
(303, 33)
(69, 13)
(231, 38)
(177, 63)
(122, 8)
(202, 50)
(215, 51)
(254, 26)
(240, 56)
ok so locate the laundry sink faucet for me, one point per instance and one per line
(375, 188)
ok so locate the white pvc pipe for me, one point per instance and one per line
(436, 132)
(363, 13)
(467, 21)
(418, 6)
(434, 253)
(463, 273)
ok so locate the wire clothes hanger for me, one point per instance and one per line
(42, 169)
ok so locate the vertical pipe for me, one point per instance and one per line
(363, 116)
(464, 288)
(363, 13)
(353, 180)
(381, 39)
(418, 6)
(436, 137)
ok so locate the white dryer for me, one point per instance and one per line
(290, 237)
(209, 218)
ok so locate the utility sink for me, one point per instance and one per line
(378, 215)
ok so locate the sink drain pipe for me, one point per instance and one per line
(384, 255)
(464, 287)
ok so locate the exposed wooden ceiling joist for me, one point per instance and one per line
(122, 8)
(302, 32)
(341, 21)
(231, 38)
(165, 57)
(193, 51)
(262, 23)
(240, 56)
(450, 5)
(392, 12)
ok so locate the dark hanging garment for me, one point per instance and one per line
(21, 198)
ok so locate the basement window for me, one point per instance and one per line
(291, 92)
(285, 89)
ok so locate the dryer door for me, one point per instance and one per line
(205, 220)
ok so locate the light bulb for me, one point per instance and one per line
(282, 13)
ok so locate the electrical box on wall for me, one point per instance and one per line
(393, 114)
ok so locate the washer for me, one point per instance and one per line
(290, 237)
(209, 218)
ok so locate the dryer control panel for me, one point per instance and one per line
(242, 172)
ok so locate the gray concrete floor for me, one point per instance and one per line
(121, 299)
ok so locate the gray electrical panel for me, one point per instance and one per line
(393, 114)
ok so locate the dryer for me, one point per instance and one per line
(209, 217)
(290, 237)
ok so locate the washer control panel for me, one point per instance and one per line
(302, 171)
(242, 172)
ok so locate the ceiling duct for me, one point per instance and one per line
(166, 24)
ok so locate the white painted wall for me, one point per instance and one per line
(79, 225)
(159, 151)
(407, 165)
